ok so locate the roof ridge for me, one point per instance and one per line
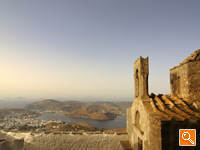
(167, 110)
(158, 111)
(180, 112)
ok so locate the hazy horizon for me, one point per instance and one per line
(20, 102)
(86, 49)
(63, 99)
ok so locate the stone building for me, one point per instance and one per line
(185, 79)
(153, 121)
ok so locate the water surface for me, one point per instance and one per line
(118, 123)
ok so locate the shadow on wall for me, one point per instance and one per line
(5, 145)
(9, 143)
(17, 145)
(170, 134)
(139, 146)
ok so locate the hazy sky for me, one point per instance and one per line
(85, 49)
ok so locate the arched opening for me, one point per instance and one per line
(137, 120)
(138, 125)
(140, 144)
(136, 83)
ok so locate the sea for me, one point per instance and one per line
(118, 123)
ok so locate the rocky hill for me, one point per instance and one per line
(93, 110)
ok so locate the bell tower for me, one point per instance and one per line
(141, 73)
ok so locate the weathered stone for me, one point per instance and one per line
(153, 122)
(141, 72)
(185, 79)
(41, 141)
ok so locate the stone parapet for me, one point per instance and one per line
(63, 140)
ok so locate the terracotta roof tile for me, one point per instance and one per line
(172, 107)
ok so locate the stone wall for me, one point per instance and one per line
(154, 135)
(185, 82)
(139, 131)
(61, 141)
(147, 131)
(170, 134)
(194, 82)
(129, 121)
(179, 81)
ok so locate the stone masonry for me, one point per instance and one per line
(61, 141)
(153, 121)
(185, 79)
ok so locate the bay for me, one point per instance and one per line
(118, 123)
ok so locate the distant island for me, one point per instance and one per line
(92, 110)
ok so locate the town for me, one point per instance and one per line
(18, 121)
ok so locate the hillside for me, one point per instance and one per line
(72, 126)
(93, 110)
(44, 105)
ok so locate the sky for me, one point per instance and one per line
(85, 49)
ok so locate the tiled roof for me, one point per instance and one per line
(172, 107)
(193, 57)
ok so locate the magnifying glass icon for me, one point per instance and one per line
(187, 139)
